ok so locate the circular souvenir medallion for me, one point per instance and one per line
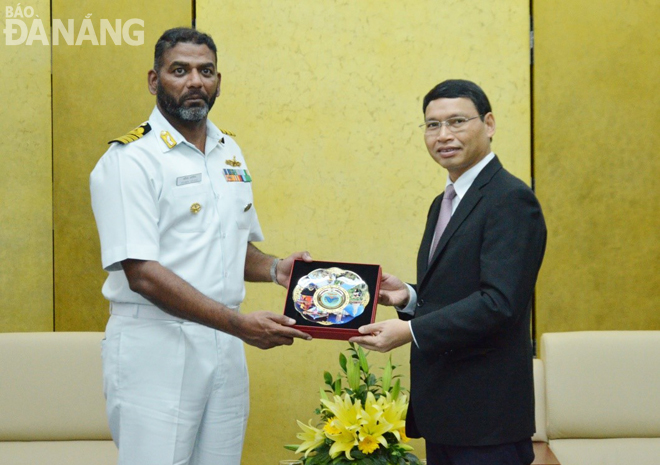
(330, 296)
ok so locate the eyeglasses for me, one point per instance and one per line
(455, 124)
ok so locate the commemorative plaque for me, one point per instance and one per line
(331, 300)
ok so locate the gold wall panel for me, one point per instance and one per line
(325, 98)
(99, 93)
(596, 138)
(26, 252)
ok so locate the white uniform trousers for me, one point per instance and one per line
(176, 391)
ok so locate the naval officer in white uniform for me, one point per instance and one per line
(174, 209)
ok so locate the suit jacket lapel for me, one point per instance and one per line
(427, 238)
(471, 199)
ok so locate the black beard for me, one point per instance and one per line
(176, 109)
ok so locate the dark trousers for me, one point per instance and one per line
(515, 453)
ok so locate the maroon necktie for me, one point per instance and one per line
(443, 218)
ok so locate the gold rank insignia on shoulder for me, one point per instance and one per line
(168, 139)
(233, 162)
(229, 133)
(134, 135)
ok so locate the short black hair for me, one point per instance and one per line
(459, 88)
(186, 35)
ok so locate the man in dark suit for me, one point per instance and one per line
(468, 316)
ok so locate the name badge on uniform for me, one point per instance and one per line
(190, 179)
(237, 175)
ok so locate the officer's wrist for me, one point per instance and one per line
(273, 270)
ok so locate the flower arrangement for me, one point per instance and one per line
(363, 422)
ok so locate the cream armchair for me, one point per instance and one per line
(602, 397)
(52, 410)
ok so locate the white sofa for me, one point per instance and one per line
(598, 397)
(52, 410)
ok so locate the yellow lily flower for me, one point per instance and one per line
(311, 437)
(342, 428)
(372, 409)
(373, 432)
(343, 442)
(330, 429)
(373, 426)
(343, 409)
(343, 438)
(394, 413)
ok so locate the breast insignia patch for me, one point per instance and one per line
(134, 135)
(234, 162)
(229, 133)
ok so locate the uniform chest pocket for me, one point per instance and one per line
(193, 210)
(240, 205)
(245, 213)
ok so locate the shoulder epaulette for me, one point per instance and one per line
(134, 135)
(229, 133)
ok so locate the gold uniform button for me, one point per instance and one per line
(195, 208)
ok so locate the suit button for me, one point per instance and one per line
(420, 302)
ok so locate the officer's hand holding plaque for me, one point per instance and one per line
(331, 300)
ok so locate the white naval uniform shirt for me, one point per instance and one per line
(144, 197)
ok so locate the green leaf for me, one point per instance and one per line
(320, 456)
(363, 360)
(396, 389)
(327, 377)
(387, 375)
(293, 447)
(381, 460)
(338, 387)
(340, 460)
(357, 454)
(371, 380)
(353, 375)
(324, 396)
(342, 361)
(412, 459)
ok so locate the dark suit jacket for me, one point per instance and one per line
(471, 376)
